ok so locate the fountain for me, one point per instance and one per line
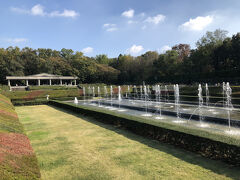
(200, 105)
(105, 92)
(229, 105)
(158, 99)
(146, 101)
(166, 94)
(176, 104)
(141, 92)
(111, 93)
(223, 92)
(223, 118)
(89, 91)
(75, 100)
(119, 93)
(111, 98)
(176, 95)
(120, 99)
(99, 96)
(207, 95)
(128, 92)
(93, 95)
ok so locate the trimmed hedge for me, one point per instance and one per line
(29, 102)
(40, 101)
(52, 87)
(214, 146)
(17, 158)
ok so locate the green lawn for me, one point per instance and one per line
(69, 146)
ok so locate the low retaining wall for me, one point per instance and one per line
(206, 147)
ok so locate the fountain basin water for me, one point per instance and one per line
(206, 125)
(219, 117)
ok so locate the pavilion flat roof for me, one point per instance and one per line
(41, 76)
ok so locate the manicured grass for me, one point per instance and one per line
(70, 146)
(205, 133)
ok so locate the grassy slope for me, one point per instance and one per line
(73, 147)
(17, 159)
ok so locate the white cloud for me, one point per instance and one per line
(128, 14)
(156, 19)
(164, 49)
(38, 10)
(65, 13)
(132, 22)
(110, 27)
(87, 50)
(16, 40)
(134, 50)
(197, 24)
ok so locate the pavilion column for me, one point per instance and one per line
(26, 82)
(39, 82)
(50, 82)
(75, 82)
(9, 82)
(61, 82)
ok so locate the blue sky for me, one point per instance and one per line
(111, 26)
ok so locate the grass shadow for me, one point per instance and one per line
(187, 156)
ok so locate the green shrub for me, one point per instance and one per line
(4, 88)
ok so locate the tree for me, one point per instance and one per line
(102, 59)
(236, 50)
(183, 51)
(214, 38)
(67, 54)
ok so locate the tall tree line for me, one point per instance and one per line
(216, 58)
